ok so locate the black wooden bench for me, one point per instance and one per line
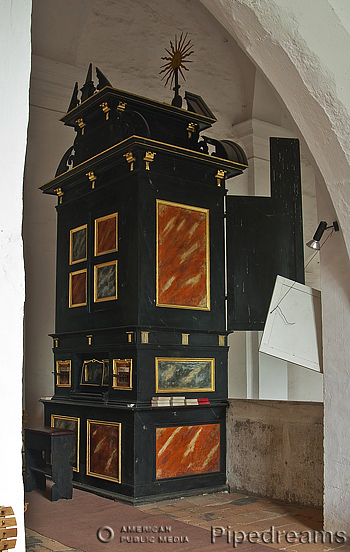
(49, 451)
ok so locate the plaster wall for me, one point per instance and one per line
(302, 51)
(335, 305)
(15, 65)
(47, 141)
(275, 450)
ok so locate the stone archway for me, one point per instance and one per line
(298, 48)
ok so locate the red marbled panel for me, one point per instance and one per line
(104, 450)
(183, 256)
(187, 450)
(106, 235)
(78, 288)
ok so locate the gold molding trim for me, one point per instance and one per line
(186, 389)
(207, 238)
(112, 297)
(72, 418)
(135, 140)
(89, 338)
(71, 274)
(105, 369)
(100, 219)
(71, 232)
(88, 470)
(164, 106)
(184, 338)
(56, 342)
(144, 337)
(222, 339)
(68, 364)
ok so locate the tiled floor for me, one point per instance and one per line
(233, 513)
(241, 513)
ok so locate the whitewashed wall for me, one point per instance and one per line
(14, 100)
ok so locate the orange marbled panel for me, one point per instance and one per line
(77, 288)
(187, 450)
(104, 449)
(182, 256)
(106, 234)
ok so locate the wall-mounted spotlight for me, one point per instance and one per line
(315, 242)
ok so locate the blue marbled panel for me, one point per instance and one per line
(106, 287)
(78, 245)
(183, 374)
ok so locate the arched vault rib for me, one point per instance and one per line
(296, 63)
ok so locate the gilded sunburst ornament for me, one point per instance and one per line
(179, 51)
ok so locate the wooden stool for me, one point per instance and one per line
(59, 443)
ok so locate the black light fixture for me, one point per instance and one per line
(315, 242)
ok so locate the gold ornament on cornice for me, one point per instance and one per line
(175, 63)
(121, 106)
(92, 177)
(191, 128)
(81, 125)
(106, 109)
(220, 175)
(149, 156)
(59, 193)
(129, 156)
(222, 340)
